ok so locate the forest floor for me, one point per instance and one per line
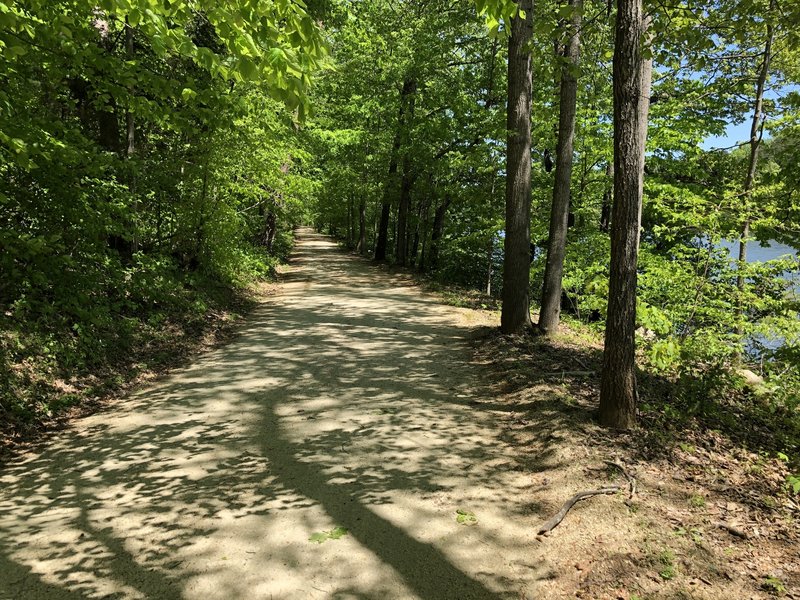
(358, 438)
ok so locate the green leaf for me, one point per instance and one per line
(247, 67)
(465, 517)
(323, 536)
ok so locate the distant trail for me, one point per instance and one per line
(346, 401)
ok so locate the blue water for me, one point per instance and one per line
(761, 253)
(757, 252)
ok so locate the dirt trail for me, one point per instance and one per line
(347, 401)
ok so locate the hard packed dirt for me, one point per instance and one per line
(360, 439)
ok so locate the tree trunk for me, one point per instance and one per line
(400, 141)
(756, 132)
(426, 223)
(550, 313)
(271, 228)
(130, 147)
(438, 230)
(516, 261)
(362, 228)
(386, 204)
(351, 223)
(407, 117)
(632, 77)
(608, 199)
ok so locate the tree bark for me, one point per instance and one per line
(516, 261)
(381, 243)
(438, 230)
(362, 228)
(130, 147)
(550, 313)
(408, 96)
(386, 204)
(632, 78)
(608, 199)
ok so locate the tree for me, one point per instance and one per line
(632, 77)
(756, 134)
(516, 265)
(550, 312)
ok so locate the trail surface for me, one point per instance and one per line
(347, 401)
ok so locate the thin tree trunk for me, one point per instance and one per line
(608, 199)
(632, 78)
(351, 223)
(426, 223)
(550, 313)
(408, 97)
(489, 264)
(438, 230)
(362, 228)
(516, 261)
(386, 204)
(382, 240)
(756, 131)
(130, 147)
(422, 206)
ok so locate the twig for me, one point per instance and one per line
(631, 479)
(581, 363)
(732, 530)
(559, 516)
(570, 374)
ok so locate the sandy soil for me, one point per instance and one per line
(347, 401)
(353, 400)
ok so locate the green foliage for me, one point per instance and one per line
(773, 585)
(465, 517)
(666, 563)
(151, 162)
(323, 536)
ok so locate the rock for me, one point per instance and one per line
(750, 378)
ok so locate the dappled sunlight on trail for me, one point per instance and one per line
(346, 401)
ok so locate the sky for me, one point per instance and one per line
(734, 134)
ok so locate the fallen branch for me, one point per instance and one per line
(559, 516)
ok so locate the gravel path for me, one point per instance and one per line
(346, 401)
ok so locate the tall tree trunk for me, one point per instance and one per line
(422, 208)
(271, 228)
(608, 198)
(489, 264)
(632, 78)
(407, 117)
(438, 230)
(386, 204)
(426, 223)
(362, 228)
(130, 147)
(550, 313)
(400, 140)
(516, 261)
(756, 132)
(351, 223)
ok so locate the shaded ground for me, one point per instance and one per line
(711, 519)
(354, 401)
(345, 402)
